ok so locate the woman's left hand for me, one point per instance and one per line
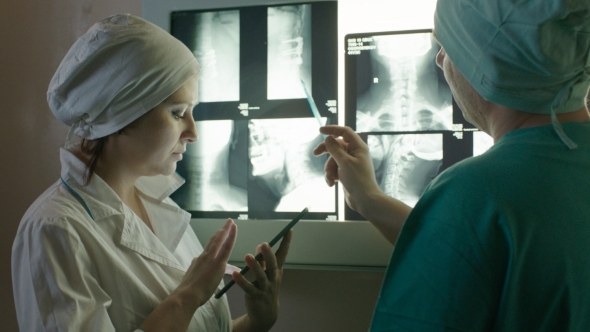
(262, 295)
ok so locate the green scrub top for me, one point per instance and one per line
(498, 242)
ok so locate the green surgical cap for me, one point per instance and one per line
(528, 55)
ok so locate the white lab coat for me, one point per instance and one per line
(83, 261)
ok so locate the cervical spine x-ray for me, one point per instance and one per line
(285, 166)
(405, 92)
(397, 97)
(405, 164)
(255, 165)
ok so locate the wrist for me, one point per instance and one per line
(368, 203)
(246, 324)
(174, 313)
(387, 214)
(186, 300)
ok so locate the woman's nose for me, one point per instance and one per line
(190, 135)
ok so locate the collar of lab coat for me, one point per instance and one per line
(168, 220)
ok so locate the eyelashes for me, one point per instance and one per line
(178, 114)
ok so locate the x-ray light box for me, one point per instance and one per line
(264, 63)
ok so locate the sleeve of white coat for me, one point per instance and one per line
(54, 281)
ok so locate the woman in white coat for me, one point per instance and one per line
(104, 248)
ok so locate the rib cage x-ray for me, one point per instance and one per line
(217, 48)
(405, 164)
(207, 169)
(286, 165)
(406, 92)
(289, 51)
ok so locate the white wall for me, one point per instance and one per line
(34, 37)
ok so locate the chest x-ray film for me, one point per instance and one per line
(397, 98)
(259, 110)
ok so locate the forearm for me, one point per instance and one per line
(172, 314)
(387, 214)
(243, 324)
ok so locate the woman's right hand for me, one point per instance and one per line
(205, 272)
(197, 286)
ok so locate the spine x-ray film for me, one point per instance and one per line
(397, 98)
(261, 65)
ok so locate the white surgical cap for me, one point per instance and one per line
(120, 69)
(528, 55)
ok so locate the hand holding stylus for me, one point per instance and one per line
(262, 301)
(259, 256)
(261, 295)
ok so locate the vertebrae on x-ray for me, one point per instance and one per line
(393, 179)
(207, 57)
(291, 51)
(399, 106)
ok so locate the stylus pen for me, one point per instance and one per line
(259, 256)
(312, 105)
